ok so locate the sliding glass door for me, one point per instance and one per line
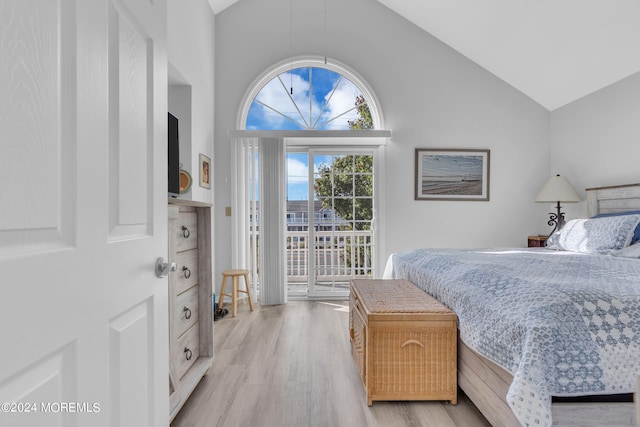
(330, 220)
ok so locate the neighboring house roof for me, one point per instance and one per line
(303, 206)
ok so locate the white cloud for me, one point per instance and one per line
(276, 94)
(297, 171)
(343, 99)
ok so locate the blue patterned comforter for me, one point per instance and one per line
(563, 323)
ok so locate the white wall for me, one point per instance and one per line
(191, 49)
(430, 96)
(595, 141)
(191, 57)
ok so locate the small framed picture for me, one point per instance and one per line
(452, 174)
(205, 171)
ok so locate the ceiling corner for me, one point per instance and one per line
(219, 5)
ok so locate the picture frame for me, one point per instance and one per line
(205, 171)
(452, 174)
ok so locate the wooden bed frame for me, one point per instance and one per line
(487, 384)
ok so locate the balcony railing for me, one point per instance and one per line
(339, 255)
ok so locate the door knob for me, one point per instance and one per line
(163, 268)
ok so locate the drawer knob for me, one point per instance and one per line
(185, 232)
(187, 353)
(407, 342)
(186, 272)
(187, 313)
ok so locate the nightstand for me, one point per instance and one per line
(536, 241)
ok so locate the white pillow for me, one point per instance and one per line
(631, 251)
(595, 235)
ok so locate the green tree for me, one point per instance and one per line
(346, 187)
(364, 121)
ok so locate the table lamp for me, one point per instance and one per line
(557, 189)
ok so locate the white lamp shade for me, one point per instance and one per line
(558, 189)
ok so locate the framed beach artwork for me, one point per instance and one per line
(452, 174)
(205, 171)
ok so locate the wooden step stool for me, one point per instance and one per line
(234, 275)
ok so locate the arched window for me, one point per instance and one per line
(309, 94)
(309, 136)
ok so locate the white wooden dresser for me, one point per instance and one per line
(190, 298)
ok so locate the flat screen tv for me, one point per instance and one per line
(174, 157)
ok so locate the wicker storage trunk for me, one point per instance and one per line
(403, 342)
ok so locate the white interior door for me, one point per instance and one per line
(83, 215)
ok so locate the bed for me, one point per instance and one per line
(547, 336)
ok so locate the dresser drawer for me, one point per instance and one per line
(187, 350)
(186, 270)
(186, 231)
(186, 310)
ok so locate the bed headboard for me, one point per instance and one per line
(618, 198)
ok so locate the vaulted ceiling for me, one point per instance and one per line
(554, 51)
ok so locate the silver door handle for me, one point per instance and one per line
(163, 268)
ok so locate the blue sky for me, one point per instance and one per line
(297, 179)
(319, 95)
(298, 173)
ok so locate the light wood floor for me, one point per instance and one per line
(290, 365)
